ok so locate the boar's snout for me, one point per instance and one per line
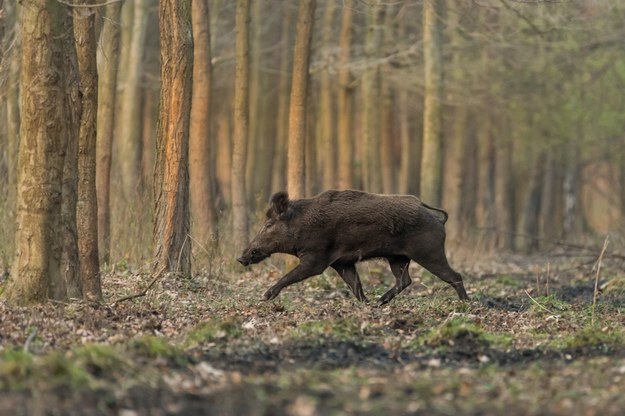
(252, 256)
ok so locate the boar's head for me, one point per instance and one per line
(274, 235)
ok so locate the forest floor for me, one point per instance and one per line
(530, 341)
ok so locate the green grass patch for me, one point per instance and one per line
(213, 330)
(462, 331)
(153, 347)
(16, 366)
(550, 304)
(341, 329)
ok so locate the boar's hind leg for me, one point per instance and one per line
(399, 267)
(438, 266)
(350, 276)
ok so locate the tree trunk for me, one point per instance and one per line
(224, 158)
(256, 99)
(299, 94)
(70, 262)
(129, 121)
(344, 102)
(531, 211)
(241, 126)
(370, 119)
(404, 176)
(171, 248)
(86, 208)
(282, 121)
(43, 132)
(201, 145)
(387, 140)
(325, 133)
(432, 154)
(108, 59)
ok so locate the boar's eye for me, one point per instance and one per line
(270, 224)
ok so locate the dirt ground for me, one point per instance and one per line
(530, 341)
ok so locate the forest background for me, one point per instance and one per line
(140, 141)
(526, 146)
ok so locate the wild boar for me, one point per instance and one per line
(340, 228)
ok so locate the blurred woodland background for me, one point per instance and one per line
(506, 113)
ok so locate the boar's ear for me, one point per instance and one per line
(279, 202)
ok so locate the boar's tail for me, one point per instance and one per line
(445, 215)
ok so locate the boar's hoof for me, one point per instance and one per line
(272, 293)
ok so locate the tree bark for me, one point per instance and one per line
(370, 119)
(129, 122)
(325, 133)
(43, 131)
(432, 154)
(282, 121)
(70, 261)
(201, 144)
(171, 248)
(241, 126)
(344, 102)
(86, 207)
(299, 94)
(108, 59)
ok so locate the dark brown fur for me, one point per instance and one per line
(339, 228)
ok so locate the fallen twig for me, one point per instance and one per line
(155, 276)
(596, 291)
(537, 303)
(30, 338)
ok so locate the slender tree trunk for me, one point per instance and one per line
(129, 121)
(282, 120)
(299, 94)
(486, 212)
(325, 132)
(224, 158)
(171, 248)
(256, 100)
(241, 126)
(344, 102)
(432, 154)
(370, 119)
(43, 131)
(405, 159)
(201, 145)
(388, 143)
(531, 211)
(108, 59)
(11, 63)
(86, 208)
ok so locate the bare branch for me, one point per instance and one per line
(88, 6)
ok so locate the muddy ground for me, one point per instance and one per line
(530, 341)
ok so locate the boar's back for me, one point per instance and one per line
(393, 214)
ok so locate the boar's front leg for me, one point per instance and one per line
(307, 267)
(399, 267)
(348, 273)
